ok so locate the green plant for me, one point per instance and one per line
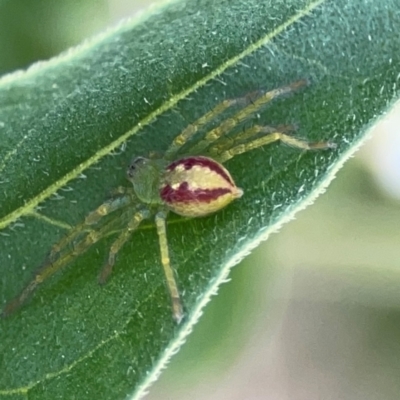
(70, 126)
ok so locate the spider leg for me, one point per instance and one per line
(227, 143)
(193, 128)
(270, 138)
(253, 99)
(91, 219)
(50, 267)
(177, 309)
(70, 247)
(246, 112)
(133, 224)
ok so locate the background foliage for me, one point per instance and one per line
(345, 82)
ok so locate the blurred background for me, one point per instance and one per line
(313, 313)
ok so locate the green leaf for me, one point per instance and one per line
(69, 127)
(32, 30)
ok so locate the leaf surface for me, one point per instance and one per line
(69, 127)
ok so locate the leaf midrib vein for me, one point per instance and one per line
(31, 204)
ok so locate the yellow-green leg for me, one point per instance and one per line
(49, 268)
(92, 218)
(270, 138)
(254, 101)
(192, 129)
(67, 251)
(228, 124)
(227, 143)
(133, 224)
(177, 309)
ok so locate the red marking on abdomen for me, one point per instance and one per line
(190, 162)
(185, 195)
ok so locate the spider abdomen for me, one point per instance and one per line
(196, 186)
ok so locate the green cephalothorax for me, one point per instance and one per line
(145, 175)
(192, 185)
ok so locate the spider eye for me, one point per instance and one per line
(136, 162)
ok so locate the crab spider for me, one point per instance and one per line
(192, 185)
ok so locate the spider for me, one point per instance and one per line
(195, 184)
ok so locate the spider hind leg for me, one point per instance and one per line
(250, 104)
(227, 143)
(269, 137)
(258, 100)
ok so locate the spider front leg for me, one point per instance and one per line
(133, 224)
(125, 198)
(70, 247)
(50, 267)
(177, 309)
